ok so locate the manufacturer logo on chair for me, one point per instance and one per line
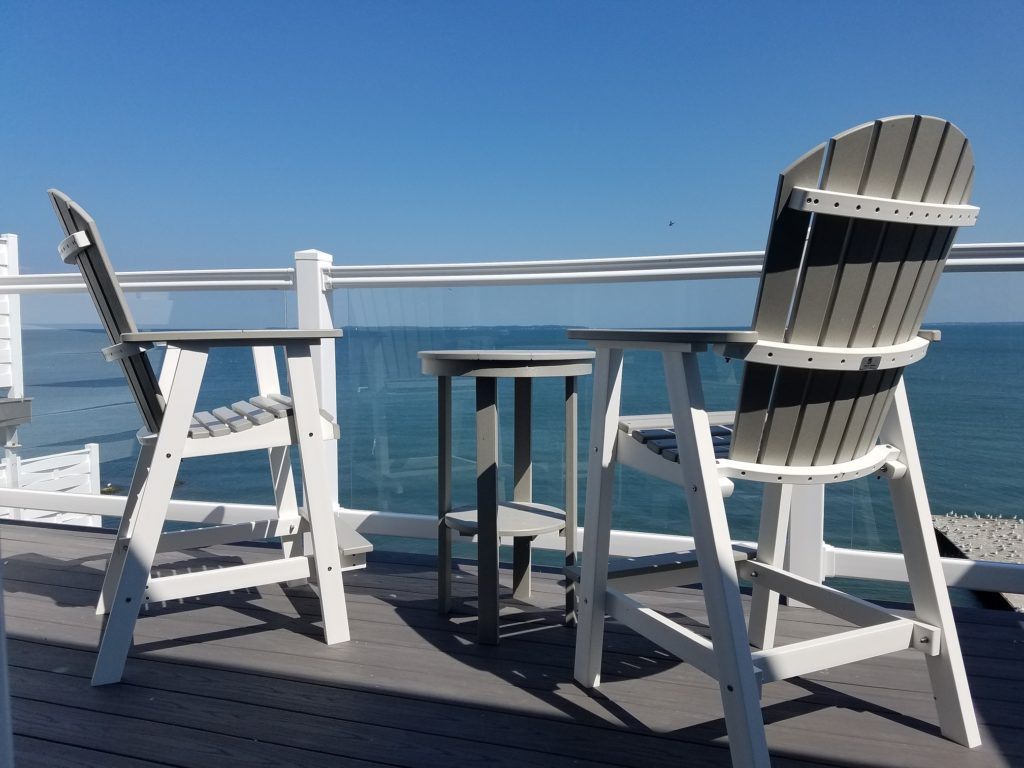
(870, 363)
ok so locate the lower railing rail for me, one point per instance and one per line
(977, 575)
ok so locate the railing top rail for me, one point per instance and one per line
(278, 279)
(981, 257)
(701, 266)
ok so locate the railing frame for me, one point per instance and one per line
(315, 276)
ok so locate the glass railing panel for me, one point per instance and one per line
(388, 408)
(963, 395)
(80, 398)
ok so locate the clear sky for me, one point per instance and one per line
(229, 134)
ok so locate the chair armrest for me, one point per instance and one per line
(932, 335)
(655, 339)
(231, 338)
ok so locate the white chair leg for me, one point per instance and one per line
(598, 511)
(771, 547)
(736, 677)
(267, 383)
(805, 546)
(319, 505)
(928, 589)
(285, 499)
(155, 495)
(124, 528)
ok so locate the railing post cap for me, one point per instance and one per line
(313, 255)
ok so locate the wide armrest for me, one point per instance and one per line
(660, 338)
(231, 338)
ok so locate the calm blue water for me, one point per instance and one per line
(964, 396)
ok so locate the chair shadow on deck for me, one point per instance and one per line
(423, 677)
(535, 657)
(535, 652)
(810, 699)
(81, 579)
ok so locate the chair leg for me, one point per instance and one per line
(806, 535)
(737, 680)
(267, 381)
(771, 546)
(124, 528)
(319, 507)
(598, 510)
(147, 525)
(928, 589)
(286, 502)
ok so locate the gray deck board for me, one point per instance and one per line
(245, 679)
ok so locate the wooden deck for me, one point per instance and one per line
(243, 679)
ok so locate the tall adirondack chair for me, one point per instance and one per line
(862, 226)
(173, 431)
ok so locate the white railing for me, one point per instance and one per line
(983, 257)
(68, 472)
(315, 276)
(700, 266)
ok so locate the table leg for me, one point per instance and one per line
(444, 493)
(523, 491)
(487, 509)
(571, 493)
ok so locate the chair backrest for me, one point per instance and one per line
(91, 257)
(848, 281)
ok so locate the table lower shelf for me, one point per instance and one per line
(515, 518)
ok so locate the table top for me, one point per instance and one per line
(511, 363)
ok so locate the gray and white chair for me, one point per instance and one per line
(174, 431)
(861, 229)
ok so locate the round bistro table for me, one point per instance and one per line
(522, 518)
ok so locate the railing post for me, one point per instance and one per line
(11, 479)
(16, 388)
(93, 449)
(6, 735)
(313, 302)
(13, 378)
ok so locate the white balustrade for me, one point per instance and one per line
(315, 276)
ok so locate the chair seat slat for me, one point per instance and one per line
(256, 415)
(274, 407)
(663, 441)
(212, 423)
(234, 421)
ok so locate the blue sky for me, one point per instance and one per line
(232, 134)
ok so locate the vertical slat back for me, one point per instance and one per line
(111, 305)
(856, 283)
(778, 279)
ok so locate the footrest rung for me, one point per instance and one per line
(181, 585)
(668, 569)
